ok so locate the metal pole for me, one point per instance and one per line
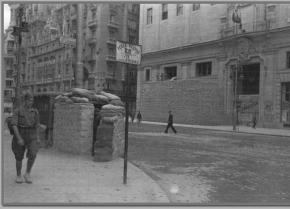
(126, 126)
(235, 101)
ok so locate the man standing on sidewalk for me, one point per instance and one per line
(25, 124)
(170, 123)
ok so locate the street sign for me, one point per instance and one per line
(128, 53)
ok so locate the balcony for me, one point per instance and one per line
(92, 40)
(110, 76)
(113, 25)
(111, 41)
(111, 58)
(250, 27)
(92, 24)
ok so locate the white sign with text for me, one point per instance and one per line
(128, 53)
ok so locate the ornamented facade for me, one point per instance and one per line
(190, 54)
(50, 47)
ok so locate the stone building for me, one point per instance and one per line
(190, 54)
(50, 47)
(7, 70)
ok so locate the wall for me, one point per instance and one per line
(73, 127)
(195, 101)
(191, 27)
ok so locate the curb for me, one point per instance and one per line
(216, 129)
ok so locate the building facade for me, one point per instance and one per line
(8, 71)
(50, 48)
(192, 51)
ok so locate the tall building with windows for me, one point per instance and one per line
(192, 51)
(8, 70)
(50, 48)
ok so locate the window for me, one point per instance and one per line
(170, 72)
(132, 39)
(271, 8)
(179, 9)
(7, 93)
(132, 24)
(147, 75)
(203, 69)
(164, 11)
(288, 59)
(287, 91)
(195, 7)
(67, 68)
(7, 109)
(9, 83)
(112, 18)
(9, 73)
(149, 16)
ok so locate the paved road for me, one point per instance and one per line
(210, 167)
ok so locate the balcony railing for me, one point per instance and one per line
(257, 26)
(111, 41)
(113, 24)
(111, 58)
(110, 76)
(92, 24)
(92, 40)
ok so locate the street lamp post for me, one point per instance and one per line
(21, 26)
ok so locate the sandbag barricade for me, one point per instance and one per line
(110, 134)
(108, 138)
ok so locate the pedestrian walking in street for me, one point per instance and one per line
(170, 123)
(25, 124)
(139, 117)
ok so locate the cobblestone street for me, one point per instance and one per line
(209, 167)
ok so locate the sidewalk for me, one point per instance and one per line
(240, 129)
(61, 178)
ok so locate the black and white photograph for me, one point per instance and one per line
(131, 103)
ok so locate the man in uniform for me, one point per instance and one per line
(25, 124)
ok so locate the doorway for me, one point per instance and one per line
(248, 90)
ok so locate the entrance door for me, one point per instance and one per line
(285, 104)
(248, 92)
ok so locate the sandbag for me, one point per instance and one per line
(116, 102)
(68, 100)
(102, 98)
(67, 94)
(80, 99)
(61, 98)
(78, 92)
(110, 96)
(112, 107)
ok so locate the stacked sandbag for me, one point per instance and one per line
(73, 108)
(113, 99)
(110, 134)
(78, 95)
(63, 99)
